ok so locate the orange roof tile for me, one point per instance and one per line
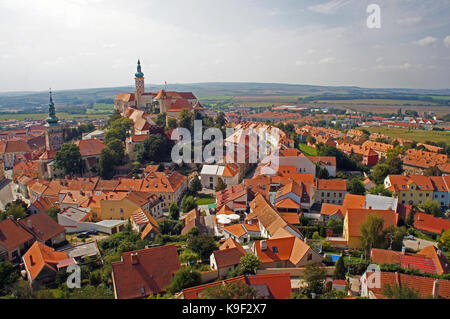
(40, 256)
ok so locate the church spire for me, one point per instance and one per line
(139, 73)
(51, 119)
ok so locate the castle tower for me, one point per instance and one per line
(53, 129)
(139, 83)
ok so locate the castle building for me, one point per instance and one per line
(169, 102)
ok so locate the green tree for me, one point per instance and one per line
(172, 123)
(161, 119)
(170, 227)
(118, 149)
(188, 257)
(174, 211)
(203, 245)
(432, 171)
(314, 276)
(185, 277)
(431, 207)
(323, 173)
(16, 209)
(53, 213)
(380, 190)
(233, 290)
(379, 173)
(355, 186)
(444, 241)
(220, 119)
(372, 234)
(186, 119)
(106, 163)
(339, 271)
(188, 203)
(8, 275)
(250, 263)
(68, 159)
(220, 185)
(154, 149)
(195, 186)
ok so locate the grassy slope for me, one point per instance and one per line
(416, 135)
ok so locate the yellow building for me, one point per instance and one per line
(410, 189)
(117, 206)
(357, 216)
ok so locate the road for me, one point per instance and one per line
(418, 243)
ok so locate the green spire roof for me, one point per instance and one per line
(139, 73)
(51, 119)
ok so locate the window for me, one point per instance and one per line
(309, 257)
(427, 194)
(274, 249)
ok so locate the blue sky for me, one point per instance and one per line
(68, 44)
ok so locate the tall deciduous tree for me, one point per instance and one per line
(174, 211)
(184, 278)
(220, 185)
(195, 186)
(250, 263)
(106, 163)
(372, 234)
(68, 159)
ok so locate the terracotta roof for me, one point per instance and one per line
(230, 194)
(40, 256)
(144, 272)
(441, 262)
(291, 218)
(424, 285)
(289, 248)
(287, 203)
(230, 170)
(331, 209)
(229, 253)
(331, 184)
(179, 105)
(42, 226)
(92, 147)
(356, 217)
(353, 201)
(278, 285)
(407, 261)
(430, 223)
(162, 182)
(151, 227)
(12, 235)
(107, 185)
(237, 230)
(323, 160)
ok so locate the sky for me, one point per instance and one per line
(72, 44)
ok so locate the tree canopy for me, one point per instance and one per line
(68, 159)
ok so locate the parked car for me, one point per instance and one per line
(410, 237)
(83, 234)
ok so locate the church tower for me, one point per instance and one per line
(139, 82)
(53, 129)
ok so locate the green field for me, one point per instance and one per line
(377, 102)
(307, 150)
(206, 200)
(411, 134)
(61, 115)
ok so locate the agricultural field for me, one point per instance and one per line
(411, 134)
(60, 115)
(377, 102)
(439, 110)
(101, 108)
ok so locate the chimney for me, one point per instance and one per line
(403, 250)
(30, 223)
(31, 260)
(435, 289)
(263, 245)
(134, 259)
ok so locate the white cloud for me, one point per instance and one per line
(447, 41)
(404, 66)
(326, 60)
(328, 7)
(409, 21)
(427, 41)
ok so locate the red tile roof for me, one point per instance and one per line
(279, 285)
(42, 226)
(92, 147)
(12, 235)
(150, 274)
(430, 223)
(40, 256)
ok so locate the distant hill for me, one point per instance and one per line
(32, 101)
